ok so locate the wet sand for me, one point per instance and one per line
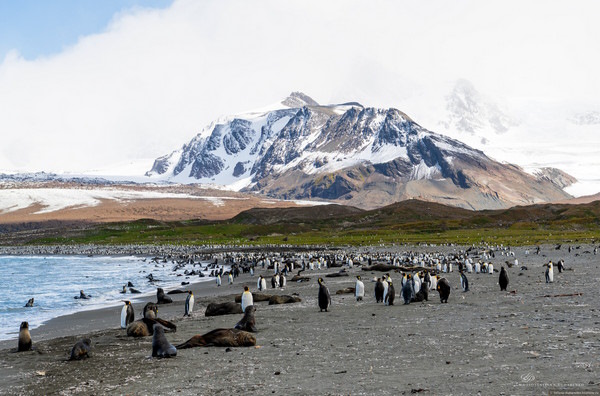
(483, 341)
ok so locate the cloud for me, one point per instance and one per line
(154, 78)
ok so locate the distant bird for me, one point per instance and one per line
(359, 289)
(127, 314)
(189, 304)
(324, 296)
(503, 279)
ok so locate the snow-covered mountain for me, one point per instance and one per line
(362, 156)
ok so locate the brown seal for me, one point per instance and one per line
(145, 327)
(284, 299)
(150, 310)
(24, 338)
(248, 322)
(161, 297)
(256, 297)
(81, 349)
(221, 338)
(227, 308)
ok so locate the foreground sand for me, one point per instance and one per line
(483, 341)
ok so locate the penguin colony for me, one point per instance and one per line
(428, 273)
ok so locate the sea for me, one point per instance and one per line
(54, 281)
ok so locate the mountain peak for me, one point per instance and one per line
(299, 99)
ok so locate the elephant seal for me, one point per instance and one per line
(248, 322)
(284, 299)
(24, 338)
(160, 346)
(221, 338)
(161, 297)
(29, 303)
(227, 308)
(81, 349)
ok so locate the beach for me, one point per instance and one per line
(535, 338)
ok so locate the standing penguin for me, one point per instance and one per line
(390, 295)
(503, 279)
(324, 297)
(247, 299)
(379, 290)
(218, 280)
(407, 291)
(189, 304)
(490, 269)
(464, 282)
(230, 278)
(359, 289)
(549, 273)
(443, 287)
(127, 314)
(385, 284)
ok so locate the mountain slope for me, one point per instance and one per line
(360, 156)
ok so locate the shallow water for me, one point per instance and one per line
(54, 281)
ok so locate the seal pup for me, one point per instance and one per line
(160, 346)
(503, 279)
(81, 349)
(359, 289)
(189, 304)
(220, 338)
(247, 299)
(127, 314)
(324, 296)
(24, 338)
(391, 294)
(161, 298)
(549, 273)
(379, 289)
(29, 303)
(464, 282)
(443, 287)
(248, 322)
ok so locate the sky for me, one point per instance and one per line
(97, 85)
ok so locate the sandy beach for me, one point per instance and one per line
(537, 338)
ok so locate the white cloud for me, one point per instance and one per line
(154, 78)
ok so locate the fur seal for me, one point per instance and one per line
(160, 346)
(189, 304)
(256, 297)
(127, 314)
(503, 279)
(29, 303)
(220, 338)
(161, 298)
(248, 322)
(81, 349)
(379, 290)
(24, 338)
(150, 310)
(283, 299)
(324, 297)
(145, 327)
(82, 296)
(227, 308)
(443, 287)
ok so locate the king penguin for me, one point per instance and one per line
(324, 296)
(189, 304)
(390, 295)
(247, 299)
(503, 279)
(407, 291)
(127, 314)
(549, 273)
(359, 289)
(218, 280)
(464, 282)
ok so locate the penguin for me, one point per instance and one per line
(407, 291)
(443, 287)
(230, 278)
(189, 304)
(477, 267)
(503, 279)
(464, 282)
(275, 281)
(385, 284)
(247, 299)
(282, 281)
(449, 267)
(391, 294)
(434, 281)
(127, 314)
(490, 269)
(417, 282)
(359, 289)
(445, 268)
(218, 280)
(259, 283)
(560, 265)
(324, 296)
(549, 273)
(379, 291)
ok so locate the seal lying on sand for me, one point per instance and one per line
(256, 297)
(145, 327)
(81, 349)
(284, 299)
(227, 308)
(220, 338)
(248, 322)
(160, 346)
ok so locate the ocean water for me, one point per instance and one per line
(54, 280)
